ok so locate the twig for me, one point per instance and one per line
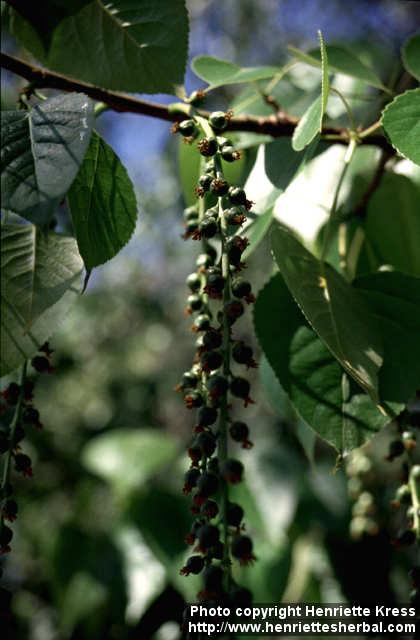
(361, 206)
(278, 125)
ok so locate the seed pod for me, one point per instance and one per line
(240, 388)
(209, 509)
(204, 181)
(218, 120)
(241, 549)
(11, 393)
(211, 360)
(234, 514)
(242, 289)
(208, 228)
(207, 416)
(208, 536)
(195, 453)
(207, 443)
(216, 552)
(217, 385)
(237, 195)
(205, 260)
(193, 399)
(192, 535)
(212, 339)
(194, 564)
(23, 464)
(187, 128)
(219, 187)
(6, 535)
(242, 354)
(189, 380)
(207, 147)
(232, 471)
(190, 480)
(233, 310)
(193, 281)
(239, 432)
(10, 510)
(207, 484)
(202, 322)
(194, 302)
(234, 216)
(229, 154)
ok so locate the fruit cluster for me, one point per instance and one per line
(18, 413)
(218, 297)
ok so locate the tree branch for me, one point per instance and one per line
(361, 207)
(277, 125)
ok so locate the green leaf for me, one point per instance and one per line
(401, 122)
(145, 509)
(318, 387)
(311, 122)
(333, 308)
(42, 150)
(129, 45)
(394, 300)
(282, 405)
(340, 60)
(283, 163)
(217, 72)
(256, 231)
(33, 24)
(127, 458)
(392, 225)
(83, 597)
(40, 279)
(411, 55)
(325, 81)
(102, 203)
(96, 569)
(308, 126)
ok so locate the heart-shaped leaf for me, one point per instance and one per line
(401, 122)
(40, 278)
(42, 150)
(334, 309)
(103, 204)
